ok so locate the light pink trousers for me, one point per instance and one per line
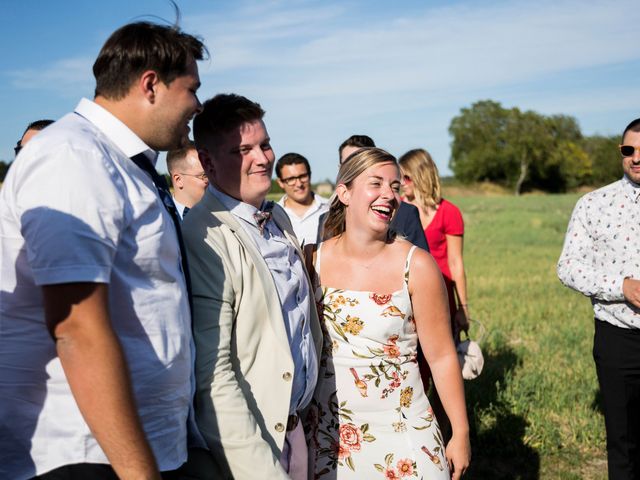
(294, 458)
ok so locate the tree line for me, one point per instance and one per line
(527, 150)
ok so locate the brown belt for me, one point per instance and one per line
(292, 422)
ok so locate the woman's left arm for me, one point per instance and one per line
(431, 315)
(456, 267)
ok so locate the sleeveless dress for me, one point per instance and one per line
(370, 417)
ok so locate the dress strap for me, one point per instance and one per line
(407, 264)
(316, 264)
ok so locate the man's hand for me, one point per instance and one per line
(631, 291)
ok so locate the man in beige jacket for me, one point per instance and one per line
(256, 327)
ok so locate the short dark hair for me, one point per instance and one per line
(223, 113)
(632, 127)
(37, 125)
(291, 159)
(356, 141)
(140, 46)
(175, 157)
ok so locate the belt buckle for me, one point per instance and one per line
(292, 422)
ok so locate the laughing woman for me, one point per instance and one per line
(370, 417)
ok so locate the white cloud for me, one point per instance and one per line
(326, 69)
(464, 46)
(66, 77)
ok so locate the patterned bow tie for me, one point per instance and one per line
(262, 216)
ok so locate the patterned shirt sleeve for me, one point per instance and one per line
(577, 267)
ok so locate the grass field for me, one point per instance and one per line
(534, 411)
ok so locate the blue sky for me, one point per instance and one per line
(323, 70)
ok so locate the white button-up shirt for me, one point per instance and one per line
(291, 283)
(307, 227)
(602, 248)
(75, 208)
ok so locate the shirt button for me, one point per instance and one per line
(279, 427)
(286, 376)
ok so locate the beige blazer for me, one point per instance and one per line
(244, 367)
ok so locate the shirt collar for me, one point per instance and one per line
(239, 209)
(315, 204)
(630, 188)
(115, 130)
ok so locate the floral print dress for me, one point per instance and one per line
(370, 417)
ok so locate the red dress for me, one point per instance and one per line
(446, 221)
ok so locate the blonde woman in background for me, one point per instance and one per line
(443, 226)
(370, 416)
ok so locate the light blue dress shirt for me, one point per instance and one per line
(288, 274)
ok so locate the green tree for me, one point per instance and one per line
(605, 158)
(479, 139)
(517, 149)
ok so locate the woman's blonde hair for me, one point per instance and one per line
(418, 165)
(353, 167)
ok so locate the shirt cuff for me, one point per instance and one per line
(613, 291)
(78, 273)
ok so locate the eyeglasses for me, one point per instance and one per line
(627, 150)
(202, 176)
(292, 180)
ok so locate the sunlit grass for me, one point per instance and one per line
(534, 410)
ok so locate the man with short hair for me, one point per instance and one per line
(188, 179)
(256, 328)
(303, 206)
(599, 260)
(95, 338)
(406, 221)
(32, 129)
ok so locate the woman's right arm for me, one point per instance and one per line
(431, 314)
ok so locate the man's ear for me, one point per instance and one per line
(176, 179)
(343, 193)
(281, 183)
(147, 85)
(206, 161)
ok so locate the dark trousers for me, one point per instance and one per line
(616, 352)
(91, 471)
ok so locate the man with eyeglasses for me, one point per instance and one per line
(600, 260)
(32, 130)
(303, 206)
(188, 179)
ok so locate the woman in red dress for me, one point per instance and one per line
(443, 227)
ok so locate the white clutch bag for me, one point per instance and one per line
(470, 356)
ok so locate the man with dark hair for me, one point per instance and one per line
(302, 205)
(353, 144)
(406, 221)
(599, 260)
(188, 179)
(255, 324)
(95, 344)
(32, 129)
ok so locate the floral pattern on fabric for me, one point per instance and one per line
(370, 417)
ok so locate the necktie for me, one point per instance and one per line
(185, 211)
(142, 161)
(262, 216)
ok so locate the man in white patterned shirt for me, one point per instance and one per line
(601, 259)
